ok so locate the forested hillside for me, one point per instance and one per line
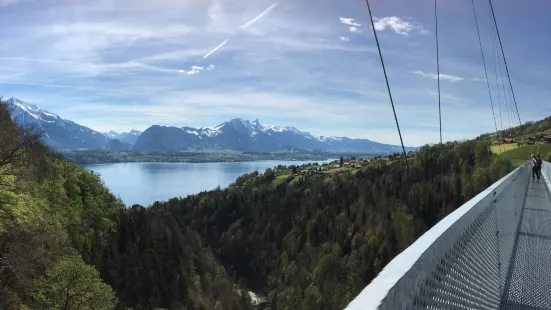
(521, 131)
(55, 218)
(58, 223)
(315, 243)
(311, 243)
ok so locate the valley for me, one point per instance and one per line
(274, 155)
(301, 236)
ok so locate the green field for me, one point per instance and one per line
(500, 148)
(281, 178)
(522, 154)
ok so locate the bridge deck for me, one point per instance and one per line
(529, 278)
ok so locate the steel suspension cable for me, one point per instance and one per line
(495, 74)
(387, 83)
(438, 69)
(508, 104)
(439, 104)
(505, 61)
(485, 69)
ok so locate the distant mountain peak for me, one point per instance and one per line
(111, 134)
(21, 103)
(240, 121)
(32, 110)
(124, 137)
(59, 133)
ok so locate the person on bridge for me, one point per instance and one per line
(539, 164)
(534, 168)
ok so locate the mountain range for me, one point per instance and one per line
(236, 134)
(62, 134)
(126, 137)
(245, 136)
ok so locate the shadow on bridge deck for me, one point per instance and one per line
(528, 284)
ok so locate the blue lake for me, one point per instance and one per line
(144, 183)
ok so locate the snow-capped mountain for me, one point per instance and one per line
(111, 134)
(130, 137)
(236, 134)
(126, 137)
(59, 133)
(243, 135)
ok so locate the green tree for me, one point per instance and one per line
(72, 284)
(482, 153)
(341, 162)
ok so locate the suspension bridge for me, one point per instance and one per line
(494, 251)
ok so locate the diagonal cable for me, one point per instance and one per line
(387, 84)
(439, 103)
(485, 69)
(494, 54)
(505, 61)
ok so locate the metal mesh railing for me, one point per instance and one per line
(528, 285)
(463, 262)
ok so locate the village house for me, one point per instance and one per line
(540, 139)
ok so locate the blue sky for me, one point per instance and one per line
(117, 65)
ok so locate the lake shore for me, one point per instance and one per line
(90, 157)
(145, 183)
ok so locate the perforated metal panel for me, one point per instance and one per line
(529, 284)
(473, 273)
(467, 260)
(467, 276)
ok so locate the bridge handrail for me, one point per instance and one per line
(546, 172)
(430, 271)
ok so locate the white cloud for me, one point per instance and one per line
(101, 90)
(345, 39)
(196, 69)
(9, 2)
(399, 26)
(475, 79)
(217, 15)
(89, 69)
(444, 77)
(355, 29)
(349, 21)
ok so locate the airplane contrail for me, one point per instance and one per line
(254, 20)
(216, 48)
(244, 26)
